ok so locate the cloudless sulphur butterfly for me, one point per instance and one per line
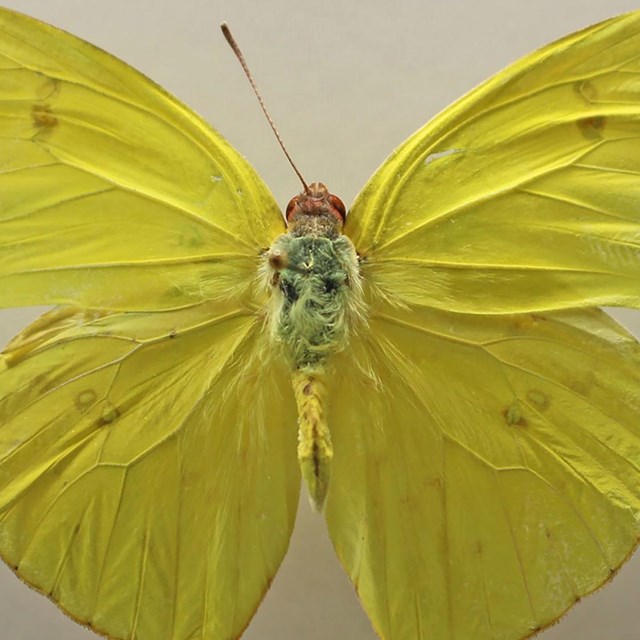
(467, 418)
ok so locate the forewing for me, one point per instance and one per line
(148, 472)
(115, 195)
(523, 195)
(487, 469)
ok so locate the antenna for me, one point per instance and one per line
(236, 49)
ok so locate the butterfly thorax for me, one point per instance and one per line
(314, 280)
(316, 300)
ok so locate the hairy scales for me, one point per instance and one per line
(316, 299)
(313, 297)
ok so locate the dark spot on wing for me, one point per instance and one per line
(85, 399)
(592, 127)
(433, 483)
(43, 117)
(523, 323)
(586, 90)
(110, 414)
(513, 415)
(538, 399)
(584, 385)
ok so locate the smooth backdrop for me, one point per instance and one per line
(346, 81)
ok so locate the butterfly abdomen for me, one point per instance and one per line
(315, 451)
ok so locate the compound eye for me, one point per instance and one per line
(290, 207)
(338, 205)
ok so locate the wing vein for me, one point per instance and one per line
(495, 193)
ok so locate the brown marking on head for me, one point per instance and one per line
(316, 200)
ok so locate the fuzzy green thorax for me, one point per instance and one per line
(313, 294)
(314, 278)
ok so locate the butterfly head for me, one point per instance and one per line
(315, 209)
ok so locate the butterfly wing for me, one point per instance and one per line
(115, 195)
(148, 476)
(487, 450)
(523, 194)
(148, 473)
(490, 476)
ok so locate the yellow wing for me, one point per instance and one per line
(486, 438)
(487, 475)
(521, 196)
(148, 475)
(114, 195)
(148, 472)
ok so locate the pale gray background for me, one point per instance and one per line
(346, 82)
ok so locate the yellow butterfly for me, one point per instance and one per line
(440, 372)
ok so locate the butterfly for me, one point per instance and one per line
(433, 364)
